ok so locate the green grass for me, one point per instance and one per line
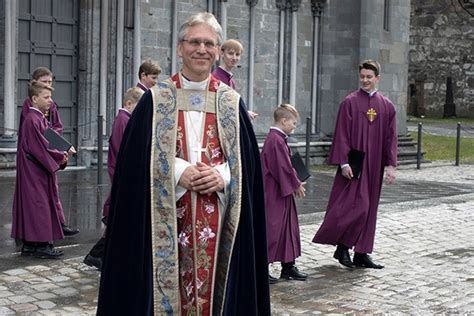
(444, 147)
(441, 121)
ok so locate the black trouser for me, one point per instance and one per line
(287, 265)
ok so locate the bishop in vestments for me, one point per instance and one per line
(186, 230)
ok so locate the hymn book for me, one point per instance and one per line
(301, 170)
(356, 160)
(56, 141)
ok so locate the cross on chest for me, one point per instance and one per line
(199, 150)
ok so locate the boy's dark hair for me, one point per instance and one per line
(35, 88)
(40, 72)
(285, 110)
(149, 68)
(370, 64)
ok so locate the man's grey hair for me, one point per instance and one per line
(201, 18)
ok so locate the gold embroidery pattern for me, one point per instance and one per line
(371, 114)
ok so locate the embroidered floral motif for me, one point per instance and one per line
(180, 211)
(206, 234)
(209, 207)
(183, 239)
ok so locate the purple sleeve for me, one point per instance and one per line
(37, 147)
(341, 142)
(116, 136)
(392, 139)
(278, 164)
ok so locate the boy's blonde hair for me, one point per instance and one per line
(36, 87)
(286, 111)
(232, 44)
(133, 94)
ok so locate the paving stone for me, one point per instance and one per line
(15, 272)
(38, 268)
(22, 299)
(5, 294)
(45, 304)
(24, 308)
(44, 295)
(6, 311)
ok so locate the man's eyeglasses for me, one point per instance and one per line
(196, 43)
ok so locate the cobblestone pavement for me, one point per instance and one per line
(426, 245)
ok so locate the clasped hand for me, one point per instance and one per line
(201, 178)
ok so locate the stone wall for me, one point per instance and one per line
(442, 45)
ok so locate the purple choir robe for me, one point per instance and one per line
(280, 184)
(54, 121)
(142, 86)
(224, 76)
(35, 214)
(351, 213)
(118, 128)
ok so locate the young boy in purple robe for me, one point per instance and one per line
(230, 54)
(130, 100)
(367, 123)
(44, 75)
(148, 75)
(281, 184)
(36, 220)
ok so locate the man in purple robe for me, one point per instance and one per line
(148, 75)
(230, 53)
(281, 184)
(130, 100)
(36, 220)
(366, 123)
(44, 75)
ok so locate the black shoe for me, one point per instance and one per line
(342, 255)
(47, 252)
(68, 231)
(293, 274)
(28, 249)
(93, 261)
(272, 280)
(364, 261)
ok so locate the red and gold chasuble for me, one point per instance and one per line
(198, 215)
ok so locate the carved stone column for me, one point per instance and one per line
(252, 4)
(293, 6)
(317, 7)
(281, 4)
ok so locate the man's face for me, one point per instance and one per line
(46, 80)
(231, 58)
(368, 79)
(198, 51)
(148, 80)
(42, 101)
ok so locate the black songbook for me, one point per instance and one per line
(56, 141)
(301, 170)
(356, 160)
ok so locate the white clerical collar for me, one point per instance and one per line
(279, 129)
(32, 107)
(371, 94)
(124, 109)
(193, 85)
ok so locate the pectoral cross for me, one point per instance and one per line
(371, 114)
(199, 150)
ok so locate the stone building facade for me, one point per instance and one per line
(304, 52)
(441, 46)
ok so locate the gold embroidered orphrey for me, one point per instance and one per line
(371, 114)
